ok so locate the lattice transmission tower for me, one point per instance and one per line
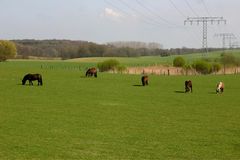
(205, 21)
(226, 36)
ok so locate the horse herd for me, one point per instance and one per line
(188, 87)
(93, 72)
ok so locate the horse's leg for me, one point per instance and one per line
(30, 82)
(221, 89)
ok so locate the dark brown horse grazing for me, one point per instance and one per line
(188, 86)
(32, 77)
(144, 80)
(91, 72)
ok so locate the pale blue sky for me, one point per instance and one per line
(103, 21)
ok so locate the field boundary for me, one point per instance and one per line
(166, 70)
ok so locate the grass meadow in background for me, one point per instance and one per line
(156, 60)
(113, 117)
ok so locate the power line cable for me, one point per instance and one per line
(116, 7)
(179, 11)
(149, 19)
(129, 15)
(195, 36)
(156, 15)
(189, 6)
(206, 8)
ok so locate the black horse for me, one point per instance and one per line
(144, 80)
(32, 77)
(188, 86)
(91, 72)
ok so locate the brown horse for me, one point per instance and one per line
(91, 72)
(144, 80)
(188, 86)
(220, 87)
(32, 77)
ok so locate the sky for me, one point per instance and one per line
(103, 21)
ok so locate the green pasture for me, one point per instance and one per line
(156, 60)
(112, 117)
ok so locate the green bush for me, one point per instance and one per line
(229, 59)
(202, 67)
(216, 67)
(121, 68)
(108, 65)
(178, 62)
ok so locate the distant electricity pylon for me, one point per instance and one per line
(235, 44)
(226, 36)
(204, 21)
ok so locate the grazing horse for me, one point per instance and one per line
(220, 87)
(32, 77)
(188, 86)
(91, 72)
(144, 80)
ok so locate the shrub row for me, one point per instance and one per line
(111, 65)
(203, 66)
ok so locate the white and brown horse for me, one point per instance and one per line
(220, 87)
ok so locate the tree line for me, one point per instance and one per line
(67, 49)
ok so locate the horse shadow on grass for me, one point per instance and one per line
(212, 92)
(83, 77)
(137, 85)
(20, 84)
(179, 91)
(86, 77)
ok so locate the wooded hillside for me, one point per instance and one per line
(67, 49)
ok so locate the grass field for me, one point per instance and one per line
(156, 60)
(111, 117)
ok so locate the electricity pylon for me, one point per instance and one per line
(226, 36)
(204, 21)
